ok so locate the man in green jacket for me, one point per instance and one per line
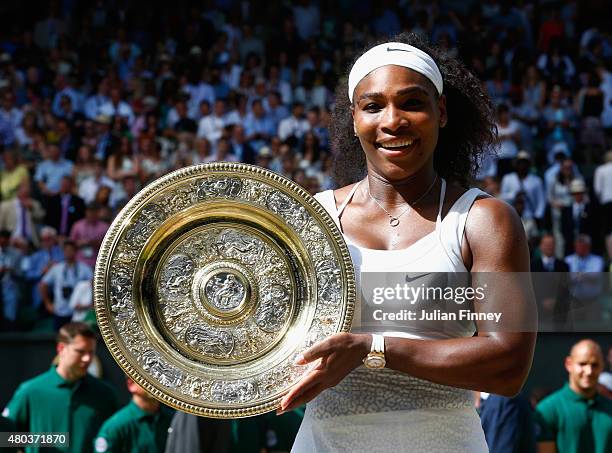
(65, 398)
(142, 425)
(576, 418)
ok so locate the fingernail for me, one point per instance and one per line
(280, 412)
(299, 360)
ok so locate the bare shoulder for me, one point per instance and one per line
(496, 237)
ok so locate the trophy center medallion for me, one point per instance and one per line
(224, 290)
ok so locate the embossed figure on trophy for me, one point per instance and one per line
(120, 290)
(271, 313)
(176, 277)
(234, 244)
(328, 277)
(162, 371)
(213, 342)
(295, 214)
(231, 392)
(138, 233)
(219, 187)
(225, 291)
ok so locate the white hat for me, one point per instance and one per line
(523, 155)
(264, 151)
(104, 119)
(577, 186)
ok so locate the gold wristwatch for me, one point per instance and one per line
(376, 357)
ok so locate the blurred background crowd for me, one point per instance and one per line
(99, 98)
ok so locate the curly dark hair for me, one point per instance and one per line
(468, 135)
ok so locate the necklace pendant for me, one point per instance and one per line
(394, 221)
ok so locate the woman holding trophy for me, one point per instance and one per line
(411, 132)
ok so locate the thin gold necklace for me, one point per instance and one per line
(394, 220)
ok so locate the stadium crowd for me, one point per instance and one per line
(99, 98)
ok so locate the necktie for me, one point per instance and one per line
(64, 218)
(24, 223)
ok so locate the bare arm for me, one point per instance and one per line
(493, 361)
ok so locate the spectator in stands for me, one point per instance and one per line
(121, 162)
(241, 149)
(559, 197)
(81, 301)
(211, 126)
(577, 217)
(294, 126)
(559, 120)
(10, 258)
(27, 130)
(530, 186)
(603, 190)
(550, 285)
(58, 283)
(152, 164)
(123, 192)
(104, 140)
(52, 171)
(223, 152)
(586, 284)
(183, 123)
(83, 165)
(576, 418)
(508, 137)
(201, 152)
(64, 208)
(589, 104)
(42, 260)
(12, 175)
(275, 110)
(556, 65)
(89, 186)
(116, 106)
(264, 157)
(141, 425)
(65, 398)
(88, 234)
(22, 214)
(94, 103)
(9, 111)
(258, 127)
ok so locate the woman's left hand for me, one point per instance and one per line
(339, 354)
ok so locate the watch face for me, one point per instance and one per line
(375, 362)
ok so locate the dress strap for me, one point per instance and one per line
(348, 199)
(441, 204)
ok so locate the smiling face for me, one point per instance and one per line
(397, 115)
(584, 365)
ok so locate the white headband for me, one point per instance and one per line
(398, 54)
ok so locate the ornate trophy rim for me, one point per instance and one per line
(121, 222)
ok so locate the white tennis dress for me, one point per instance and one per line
(385, 410)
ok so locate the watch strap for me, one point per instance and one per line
(378, 343)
